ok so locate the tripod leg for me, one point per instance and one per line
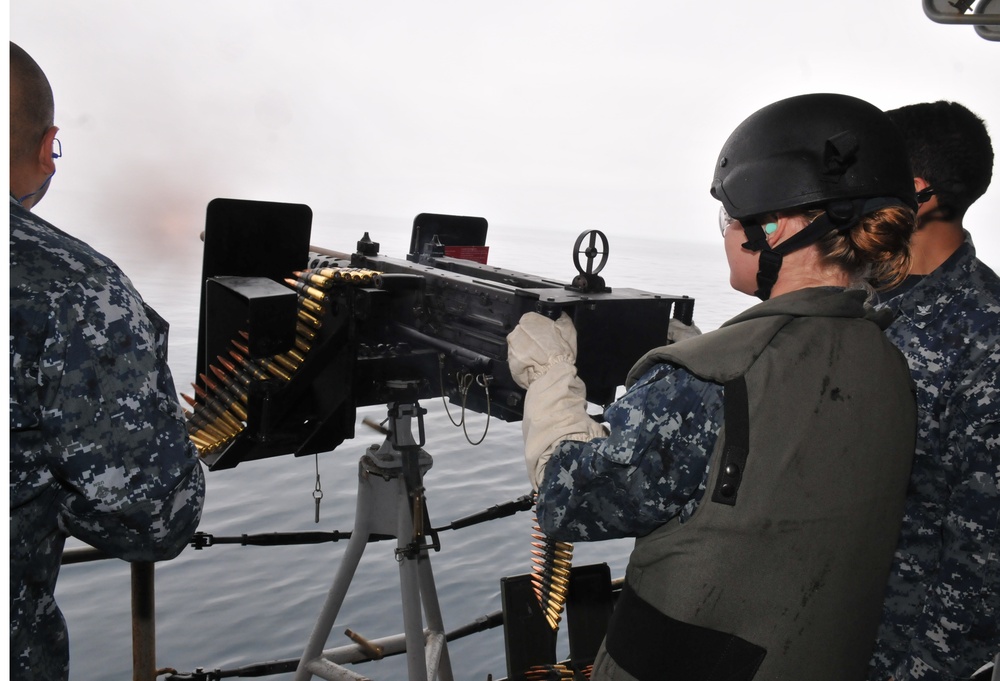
(409, 586)
(342, 581)
(438, 663)
(427, 656)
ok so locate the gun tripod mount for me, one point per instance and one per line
(390, 502)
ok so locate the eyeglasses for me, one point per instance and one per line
(725, 220)
(56, 148)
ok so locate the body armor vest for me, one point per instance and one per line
(779, 574)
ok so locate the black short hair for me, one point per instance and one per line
(950, 148)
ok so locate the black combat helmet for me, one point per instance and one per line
(805, 151)
(826, 151)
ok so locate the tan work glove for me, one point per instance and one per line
(678, 331)
(542, 355)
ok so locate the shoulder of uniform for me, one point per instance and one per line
(44, 258)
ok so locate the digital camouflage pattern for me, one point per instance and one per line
(98, 444)
(941, 618)
(651, 468)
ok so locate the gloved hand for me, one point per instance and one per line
(678, 331)
(537, 343)
(542, 356)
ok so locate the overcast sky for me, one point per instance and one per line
(555, 115)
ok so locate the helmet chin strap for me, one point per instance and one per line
(839, 216)
(770, 259)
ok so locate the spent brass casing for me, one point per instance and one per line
(374, 651)
(375, 425)
(548, 673)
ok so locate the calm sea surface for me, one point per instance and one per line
(228, 606)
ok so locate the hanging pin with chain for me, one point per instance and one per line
(318, 492)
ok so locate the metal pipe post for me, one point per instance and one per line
(143, 623)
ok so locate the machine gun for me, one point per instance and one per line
(293, 338)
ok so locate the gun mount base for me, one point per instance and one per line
(390, 502)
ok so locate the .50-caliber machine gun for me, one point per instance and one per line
(294, 338)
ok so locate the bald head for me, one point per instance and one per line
(31, 105)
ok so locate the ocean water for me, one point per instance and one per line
(228, 606)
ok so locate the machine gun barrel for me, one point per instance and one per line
(472, 361)
(397, 282)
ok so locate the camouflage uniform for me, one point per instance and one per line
(941, 618)
(652, 467)
(98, 446)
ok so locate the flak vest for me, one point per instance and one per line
(779, 573)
